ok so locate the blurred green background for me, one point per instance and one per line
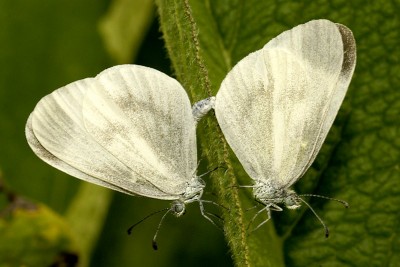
(50, 219)
(44, 45)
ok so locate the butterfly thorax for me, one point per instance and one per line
(193, 192)
(271, 194)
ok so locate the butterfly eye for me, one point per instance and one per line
(292, 202)
(178, 208)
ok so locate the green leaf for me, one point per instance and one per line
(360, 159)
(86, 215)
(33, 235)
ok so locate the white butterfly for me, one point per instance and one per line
(276, 106)
(130, 129)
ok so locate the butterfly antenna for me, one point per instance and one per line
(328, 198)
(319, 218)
(154, 242)
(145, 218)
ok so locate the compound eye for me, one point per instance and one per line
(178, 208)
(292, 202)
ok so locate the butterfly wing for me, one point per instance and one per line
(74, 134)
(276, 106)
(147, 116)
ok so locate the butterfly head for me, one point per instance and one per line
(291, 199)
(272, 194)
(178, 208)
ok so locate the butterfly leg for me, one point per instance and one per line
(255, 216)
(214, 203)
(268, 208)
(204, 213)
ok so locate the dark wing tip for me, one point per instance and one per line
(349, 51)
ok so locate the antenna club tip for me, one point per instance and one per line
(326, 233)
(154, 245)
